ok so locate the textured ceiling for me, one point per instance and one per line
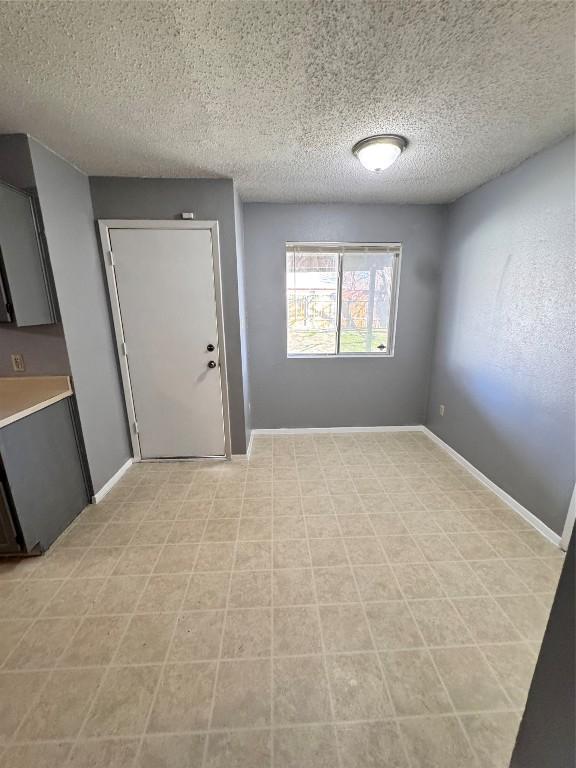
(273, 93)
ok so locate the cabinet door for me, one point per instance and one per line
(24, 270)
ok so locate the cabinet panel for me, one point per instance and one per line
(23, 267)
(41, 459)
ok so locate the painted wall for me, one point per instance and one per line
(505, 355)
(43, 346)
(351, 391)
(241, 263)
(208, 199)
(66, 206)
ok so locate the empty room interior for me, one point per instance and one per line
(287, 384)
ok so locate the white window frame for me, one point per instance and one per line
(340, 248)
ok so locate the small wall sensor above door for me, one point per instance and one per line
(187, 215)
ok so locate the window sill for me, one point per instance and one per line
(385, 356)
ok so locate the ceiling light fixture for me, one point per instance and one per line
(376, 153)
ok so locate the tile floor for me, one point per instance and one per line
(338, 601)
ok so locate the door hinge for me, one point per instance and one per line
(111, 257)
(124, 349)
(136, 427)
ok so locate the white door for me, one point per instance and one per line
(167, 310)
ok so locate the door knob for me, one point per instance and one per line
(211, 364)
(210, 348)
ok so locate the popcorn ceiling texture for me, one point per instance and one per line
(274, 93)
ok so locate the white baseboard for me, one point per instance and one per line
(107, 487)
(321, 430)
(569, 524)
(509, 500)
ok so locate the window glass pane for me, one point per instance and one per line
(367, 280)
(312, 291)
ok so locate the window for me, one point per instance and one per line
(341, 298)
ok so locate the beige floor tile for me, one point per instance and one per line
(528, 613)
(197, 636)
(43, 643)
(179, 751)
(371, 745)
(300, 691)
(376, 583)
(293, 586)
(508, 544)
(327, 552)
(255, 529)
(11, 631)
(27, 598)
(177, 558)
(42, 755)
(291, 553)
(417, 580)
(208, 589)
(120, 594)
(239, 749)
(513, 665)
(355, 526)
(347, 504)
(215, 556)
(312, 746)
(440, 623)
(250, 589)
(74, 598)
(457, 579)
(187, 510)
(181, 532)
(358, 689)
(401, 549)
(123, 702)
(437, 547)
(147, 639)
(535, 573)
(223, 529)
(434, 742)
(289, 527)
(253, 556)
(163, 593)
(18, 692)
(62, 705)
(499, 578)
(98, 562)
(95, 642)
(344, 628)
(296, 631)
(364, 551)
(486, 622)
(247, 633)
(59, 563)
(335, 585)
(242, 694)
(492, 737)
(388, 524)
(153, 533)
(118, 753)
(414, 684)
(290, 506)
(392, 625)
(322, 526)
(469, 680)
(183, 700)
(135, 560)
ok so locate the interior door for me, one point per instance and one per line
(166, 294)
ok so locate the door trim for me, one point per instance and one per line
(104, 226)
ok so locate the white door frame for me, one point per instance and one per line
(569, 524)
(105, 225)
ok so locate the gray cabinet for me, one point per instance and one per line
(25, 295)
(43, 474)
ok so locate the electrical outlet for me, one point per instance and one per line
(18, 362)
(442, 409)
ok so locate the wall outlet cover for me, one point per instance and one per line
(442, 409)
(18, 362)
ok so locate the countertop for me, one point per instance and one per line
(22, 396)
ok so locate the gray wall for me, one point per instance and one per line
(42, 346)
(209, 199)
(241, 261)
(505, 354)
(66, 206)
(340, 392)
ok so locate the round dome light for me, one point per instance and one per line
(376, 153)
